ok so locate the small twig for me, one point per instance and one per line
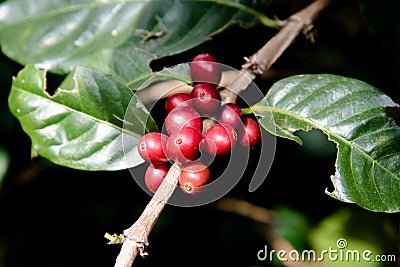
(150, 35)
(246, 209)
(136, 237)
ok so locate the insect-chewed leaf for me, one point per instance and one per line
(81, 127)
(352, 114)
(120, 35)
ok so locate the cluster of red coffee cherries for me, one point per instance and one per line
(184, 140)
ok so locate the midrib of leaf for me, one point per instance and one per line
(326, 131)
(122, 130)
(143, 77)
(355, 184)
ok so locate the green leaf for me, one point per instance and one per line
(292, 225)
(352, 233)
(129, 65)
(352, 114)
(82, 127)
(58, 35)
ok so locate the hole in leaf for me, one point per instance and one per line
(169, 61)
(316, 144)
(53, 82)
(394, 113)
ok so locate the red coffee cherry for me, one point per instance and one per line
(154, 176)
(151, 147)
(250, 133)
(219, 139)
(183, 117)
(206, 98)
(179, 99)
(183, 145)
(204, 68)
(231, 114)
(193, 176)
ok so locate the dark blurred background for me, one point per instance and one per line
(55, 216)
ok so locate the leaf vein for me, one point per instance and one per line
(329, 133)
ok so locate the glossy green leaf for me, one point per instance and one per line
(352, 114)
(58, 35)
(80, 127)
